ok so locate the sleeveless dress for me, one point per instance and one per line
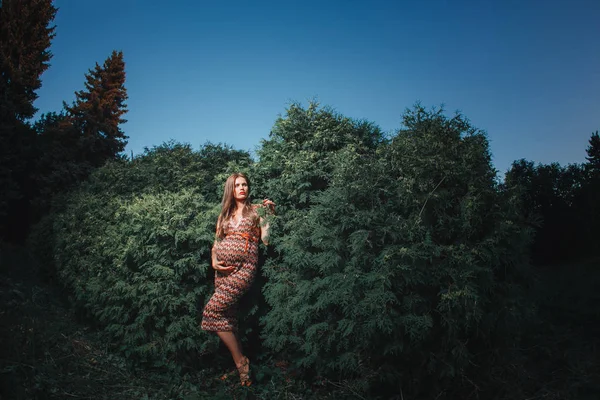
(239, 247)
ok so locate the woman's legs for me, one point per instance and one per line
(235, 348)
(233, 345)
(220, 313)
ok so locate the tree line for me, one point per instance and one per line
(42, 159)
(400, 264)
(562, 204)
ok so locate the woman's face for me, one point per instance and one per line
(242, 190)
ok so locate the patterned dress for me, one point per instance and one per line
(239, 247)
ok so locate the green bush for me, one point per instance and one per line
(140, 268)
(132, 245)
(399, 262)
(398, 265)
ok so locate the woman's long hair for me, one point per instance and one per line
(228, 203)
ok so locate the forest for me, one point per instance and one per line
(401, 266)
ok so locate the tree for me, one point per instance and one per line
(97, 111)
(593, 152)
(25, 36)
(60, 163)
(590, 210)
(72, 143)
(554, 200)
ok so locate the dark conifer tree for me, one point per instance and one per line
(60, 163)
(551, 197)
(589, 208)
(593, 152)
(98, 110)
(25, 36)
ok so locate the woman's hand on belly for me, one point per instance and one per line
(221, 267)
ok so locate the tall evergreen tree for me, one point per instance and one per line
(589, 209)
(98, 110)
(593, 152)
(25, 36)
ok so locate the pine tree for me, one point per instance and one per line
(97, 111)
(593, 152)
(25, 36)
(588, 208)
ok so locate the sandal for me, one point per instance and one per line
(228, 375)
(244, 371)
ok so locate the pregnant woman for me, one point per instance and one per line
(234, 258)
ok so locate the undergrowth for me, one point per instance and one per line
(47, 352)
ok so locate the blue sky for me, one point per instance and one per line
(527, 72)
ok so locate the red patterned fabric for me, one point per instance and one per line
(239, 247)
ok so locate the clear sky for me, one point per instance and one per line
(527, 72)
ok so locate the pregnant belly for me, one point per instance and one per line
(232, 250)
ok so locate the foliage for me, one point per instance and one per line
(562, 205)
(133, 245)
(25, 36)
(399, 265)
(98, 110)
(139, 267)
(47, 354)
(559, 357)
(295, 162)
(593, 152)
(60, 150)
(175, 166)
(60, 161)
(17, 161)
(393, 257)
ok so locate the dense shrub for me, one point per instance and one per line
(140, 267)
(172, 167)
(133, 244)
(399, 262)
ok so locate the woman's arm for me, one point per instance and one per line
(213, 252)
(264, 225)
(215, 263)
(264, 231)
